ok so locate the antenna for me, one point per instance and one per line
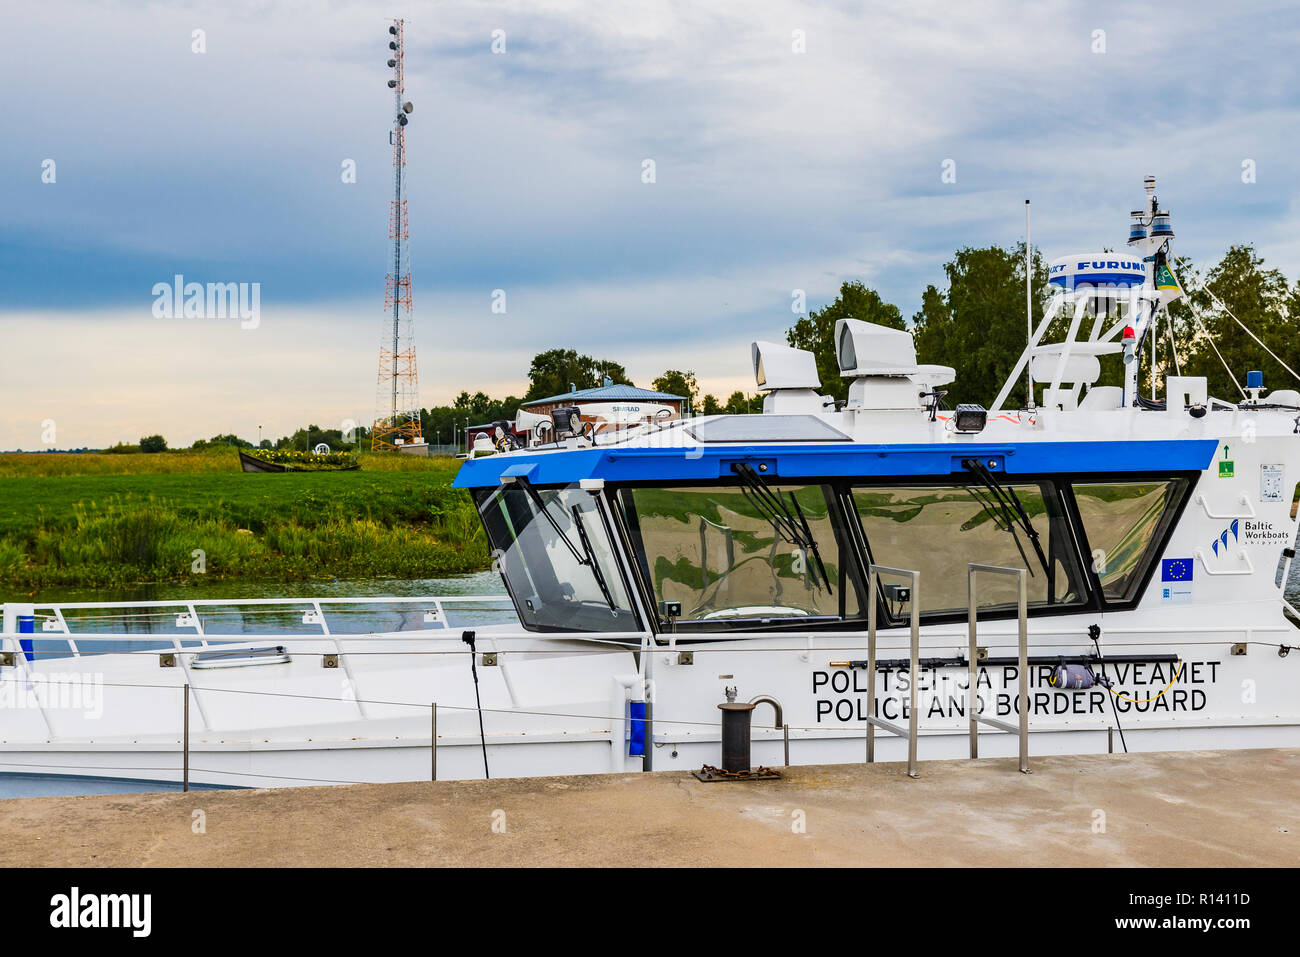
(397, 404)
(1029, 310)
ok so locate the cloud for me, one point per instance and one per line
(775, 170)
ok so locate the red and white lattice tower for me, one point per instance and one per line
(397, 401)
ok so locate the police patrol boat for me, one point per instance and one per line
(1101, 568)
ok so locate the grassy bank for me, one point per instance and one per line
(127, 519)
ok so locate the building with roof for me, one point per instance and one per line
(608, 392)
(607, 406)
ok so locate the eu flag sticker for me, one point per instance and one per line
(1176, 579)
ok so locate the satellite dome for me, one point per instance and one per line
(1097, 269)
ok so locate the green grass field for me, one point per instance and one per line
(128, 519)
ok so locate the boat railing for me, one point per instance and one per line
(972, 657)
(207, 620)
(874, 572)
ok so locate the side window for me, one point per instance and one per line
(558, 564)
(939, 529)
(1123, 522)
(726, 558)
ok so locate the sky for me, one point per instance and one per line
(795, 146)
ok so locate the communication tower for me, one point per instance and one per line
(397, 401)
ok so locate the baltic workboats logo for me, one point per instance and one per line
(79, 910)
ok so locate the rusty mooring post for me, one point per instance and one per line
(736, 719)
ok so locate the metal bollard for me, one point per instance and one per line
(736, 717)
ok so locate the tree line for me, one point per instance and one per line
(557, 371)
(975, 322)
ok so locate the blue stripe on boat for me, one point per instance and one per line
(625, 464)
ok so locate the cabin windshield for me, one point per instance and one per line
(554, 553)
(743, 556)
(751, 553)
(939, 529)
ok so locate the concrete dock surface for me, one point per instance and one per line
(1167, 809)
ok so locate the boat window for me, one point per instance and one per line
(1123, 522)
(555, 556)
(938, 530)
(745, 556)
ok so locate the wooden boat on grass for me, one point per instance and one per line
(283, 460)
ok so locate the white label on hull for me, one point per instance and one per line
(1271, 481)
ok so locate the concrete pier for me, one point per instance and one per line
(1209, 808)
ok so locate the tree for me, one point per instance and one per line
(153, 443)
(678, 383)
(978, 325)
(1258, 297)
(554, 371)
(304, 440)
(739, 404)
(816, 331)
(711, 406)
(222, 440)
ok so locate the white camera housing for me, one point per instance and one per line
(779, 366)
(882, 363)
(789, 377)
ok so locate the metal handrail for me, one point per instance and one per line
(207, 602)
(58, 627)
(972, 697)
(873, 585)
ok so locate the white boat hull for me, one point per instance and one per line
(559, 705)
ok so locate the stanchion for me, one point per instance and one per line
(185, 711)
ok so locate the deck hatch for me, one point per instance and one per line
(240, 658)
(766, 428)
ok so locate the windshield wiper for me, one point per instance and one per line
(1005, 503)
(591, 562)
(586, 556)
(791, 526)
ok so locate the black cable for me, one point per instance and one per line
(468, 638)
(1094, 632)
